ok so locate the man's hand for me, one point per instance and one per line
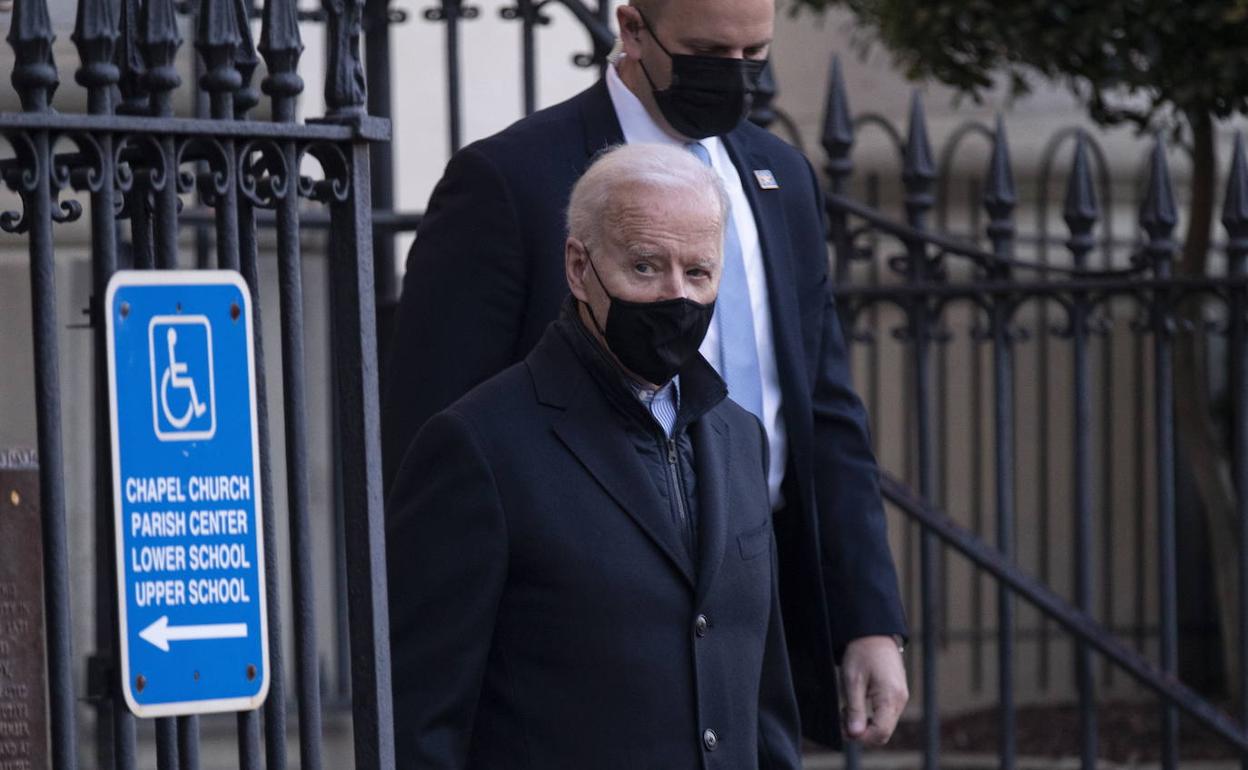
(873, 683)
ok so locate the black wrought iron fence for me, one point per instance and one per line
(138, 165)
(1109, 325)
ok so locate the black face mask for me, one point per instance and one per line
(653, 339)
(708, 95)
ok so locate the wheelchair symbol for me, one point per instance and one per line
(175, 373)
(178, 379)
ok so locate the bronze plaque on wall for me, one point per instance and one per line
(23, 665)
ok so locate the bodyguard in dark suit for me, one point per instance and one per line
(580, 550)
(484, 279)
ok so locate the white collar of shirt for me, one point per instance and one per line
(668, 392)
(662, 404)
(637, 125)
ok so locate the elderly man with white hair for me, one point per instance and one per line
(581, 562)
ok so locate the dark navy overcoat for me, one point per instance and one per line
(546, 613)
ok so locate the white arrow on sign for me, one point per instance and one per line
(161, 633)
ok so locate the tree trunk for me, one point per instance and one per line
(1198, 434)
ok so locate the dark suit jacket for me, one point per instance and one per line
(544, 607)
(486, 275)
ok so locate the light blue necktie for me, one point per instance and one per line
(738, 350)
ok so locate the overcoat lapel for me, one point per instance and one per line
(712, 462)
(772, 222)
(590, 429)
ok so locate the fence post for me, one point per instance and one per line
(248, 722)
(35, 79)
(219, 44)
(1081, 213)
(353, 310)
(351, 303)
(1158, 218)
(917, 177)
(177, 740)
(281, 46)
(1000, 200)
(837, 139)
(1235, 219)
(95, 35)
(245, 97)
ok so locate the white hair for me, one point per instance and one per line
(624, 168)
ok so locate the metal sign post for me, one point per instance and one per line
(186, 488)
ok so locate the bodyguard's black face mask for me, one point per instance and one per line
(653, 339)
(708, 95)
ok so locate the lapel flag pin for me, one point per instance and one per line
(766, 179)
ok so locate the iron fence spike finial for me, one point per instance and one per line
(217, 39)
(1000, 197)
(345, 90)
(838, 124)
(279, 34)
(95, 35)
(34, 71)
(94, 20)
(281, 46)
(1080, 209)
(129, 60)
(1235, 204)
(159, 23)
(245, 60)
(160, 43)
(918, 171)
(216, 25)
(918, 168)
(246, 41)
(1158, 214)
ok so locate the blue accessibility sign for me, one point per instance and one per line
(186, 492)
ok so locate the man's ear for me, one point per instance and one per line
(630, 24)
(575, 263)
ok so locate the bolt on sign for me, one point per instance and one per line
(186, 492)
(23, 662)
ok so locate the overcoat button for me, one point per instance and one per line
(710, 740)
(700, 624)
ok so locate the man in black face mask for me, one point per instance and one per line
(580, 550)
(484, 278)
